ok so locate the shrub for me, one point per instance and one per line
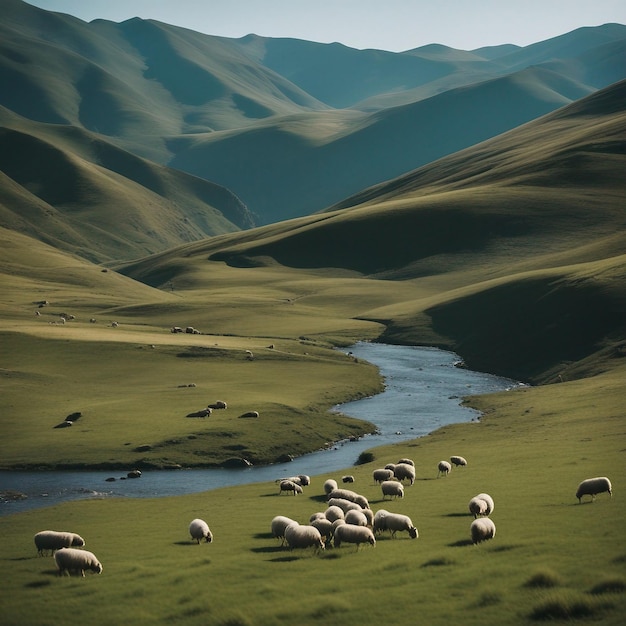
(544, 578)
(566, 606)
(365, 457)
(609, 585)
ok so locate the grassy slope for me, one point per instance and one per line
(71, 188)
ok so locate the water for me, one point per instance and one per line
(423, 391)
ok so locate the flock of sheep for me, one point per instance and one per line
(347, 518)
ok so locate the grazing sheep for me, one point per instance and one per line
(305, 480)
(201, 413)
(458, 461)
(348, 533)
(352, 496)
(325, 526)
(347, 479)
(317, 515)
(593, 486)
(391, 466)
(482, 529)
(333, 513)
(329, 486)
(394, 522)
(288, 485)
(379, 475)
(72, 560)
(220, 404)
(249, 355)
(114, 324)
(392, 488)
(356, 518)
(404, 471)
(344, 505)
(443, 468)
(489, 500)
(250, 414)
(279, 525)
(199, 529)
(478, 506)
(407, 462)
(55, 540)
(298, 536)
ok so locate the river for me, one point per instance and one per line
(423, 391)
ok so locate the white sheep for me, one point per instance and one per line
(72, 560)
(347, 479)
(325, 526)
(482, 529)
(220, 404)
(394, 522)
(298, 536)
(593, 486)
(478, 506)
(489, 500)
(329, 486)
(352, 496)
(392, 488)
(199, 529)
(379, 475)
(356, 518)
(333, 513)
(404, 471)
(55, 540)
(279, 525)
(458, 461)
(407, 462)
(343, 504)
(443, 468)
(305, 480)
(348, 533)
(288, 485)
(318, 515)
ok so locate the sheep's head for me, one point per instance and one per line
(413, 532)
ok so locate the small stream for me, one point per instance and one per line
(423, 391)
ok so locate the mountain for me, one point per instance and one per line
(523, 231)
(72, 189)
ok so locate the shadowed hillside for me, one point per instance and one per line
(74, 190)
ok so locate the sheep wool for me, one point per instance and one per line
(348, 533)
(278, 526)
(593, 486)
(298, 536)
(333, 513)
(344, 505)
(329, 486)
(482, 529)
(199, 529)
(404, 471)
(394, 522)
(478, 506)
(72, 560)
(356, 518)
(443, 468)
(459, 461)
(53, 540)
(288, 485)
(489, 500)
(382, 474)
(392, 489)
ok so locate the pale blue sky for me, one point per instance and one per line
(385, 24)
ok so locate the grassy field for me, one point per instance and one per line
(551, 559)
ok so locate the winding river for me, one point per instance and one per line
(423, 391)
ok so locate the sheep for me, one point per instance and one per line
(344, 505)
(478, 506)
(71, 559)
(279, 525)
(293, 479)
(489, 500)
(333, 513)
(482, 529)
(593, 486)
(199, 529)
(325, 526)
(348, 533)
(458, 461)
(329, 486)
(317, 515)
(201, 413)
(369, 516)
(347, 479)
(305, 480)
(356, 518)
(391, 466)
(443, 468)
(392, 488)
(407, 462)
(379, 475)
(220, 404)
(404, 471)
(250, 414)
(249, 355)
(288, 485)
(394, 522)
(346, 494)
(298, 536)
(55, 540)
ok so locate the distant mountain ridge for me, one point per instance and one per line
(287, 127)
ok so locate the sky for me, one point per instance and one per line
(394, 25)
